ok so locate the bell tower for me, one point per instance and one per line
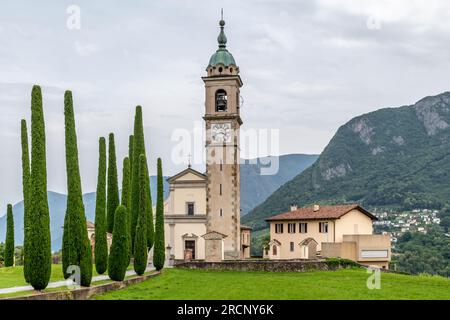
(223, 121)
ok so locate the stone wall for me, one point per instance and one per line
(262, 265)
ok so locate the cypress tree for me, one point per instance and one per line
(39, 219)
(9, 243)
(101, 244)
(130, 153)
(76, 249)
(150, 226)
(119, 257)
(140, 242)
(113, 185)
(126, 195)
(159, 250)
(138, 150)
(26, 196)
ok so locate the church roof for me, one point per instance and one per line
(222, 55)
(184, 172)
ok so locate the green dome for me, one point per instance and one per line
(222, 55)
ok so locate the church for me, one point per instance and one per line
(202, 212)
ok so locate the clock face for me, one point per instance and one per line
(221, 132)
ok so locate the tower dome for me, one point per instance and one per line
(222, 56)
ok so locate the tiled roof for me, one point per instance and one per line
(90, 225)
(324, 212)
(244, 227)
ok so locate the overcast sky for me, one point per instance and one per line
(307, 66)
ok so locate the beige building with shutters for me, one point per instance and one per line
(344, 231)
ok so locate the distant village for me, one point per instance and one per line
(417, 220)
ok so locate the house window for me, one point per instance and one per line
(292, 247)
(323, 227)
(291, 227)
(278, 228)
(190, 208)
(274, 250)
(303, 227)
(221, 212)
(220, 189)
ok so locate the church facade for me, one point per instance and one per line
(202, 212)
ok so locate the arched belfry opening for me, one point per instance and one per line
(221, 100)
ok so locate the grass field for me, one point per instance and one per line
(13, 276)
(180, 284)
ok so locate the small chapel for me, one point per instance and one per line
(202, 212)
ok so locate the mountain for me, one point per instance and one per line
(258, 180)
(255, 188)
(57, 205)
(393, 157)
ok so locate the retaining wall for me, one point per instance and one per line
(263, 265)
(85, 293)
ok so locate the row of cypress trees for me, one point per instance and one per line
(135, 209)
(129, 219)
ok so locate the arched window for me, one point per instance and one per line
(221, 100)
(274, 250)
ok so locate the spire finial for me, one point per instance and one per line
(222, 39)
(189, 160)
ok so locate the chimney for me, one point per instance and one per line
(316, 208)
(293, 207)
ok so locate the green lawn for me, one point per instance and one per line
(13, 276)
(179, 284)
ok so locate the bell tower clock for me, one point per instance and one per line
(223, 121)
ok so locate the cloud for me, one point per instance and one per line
(85, 49)
(307, 67)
